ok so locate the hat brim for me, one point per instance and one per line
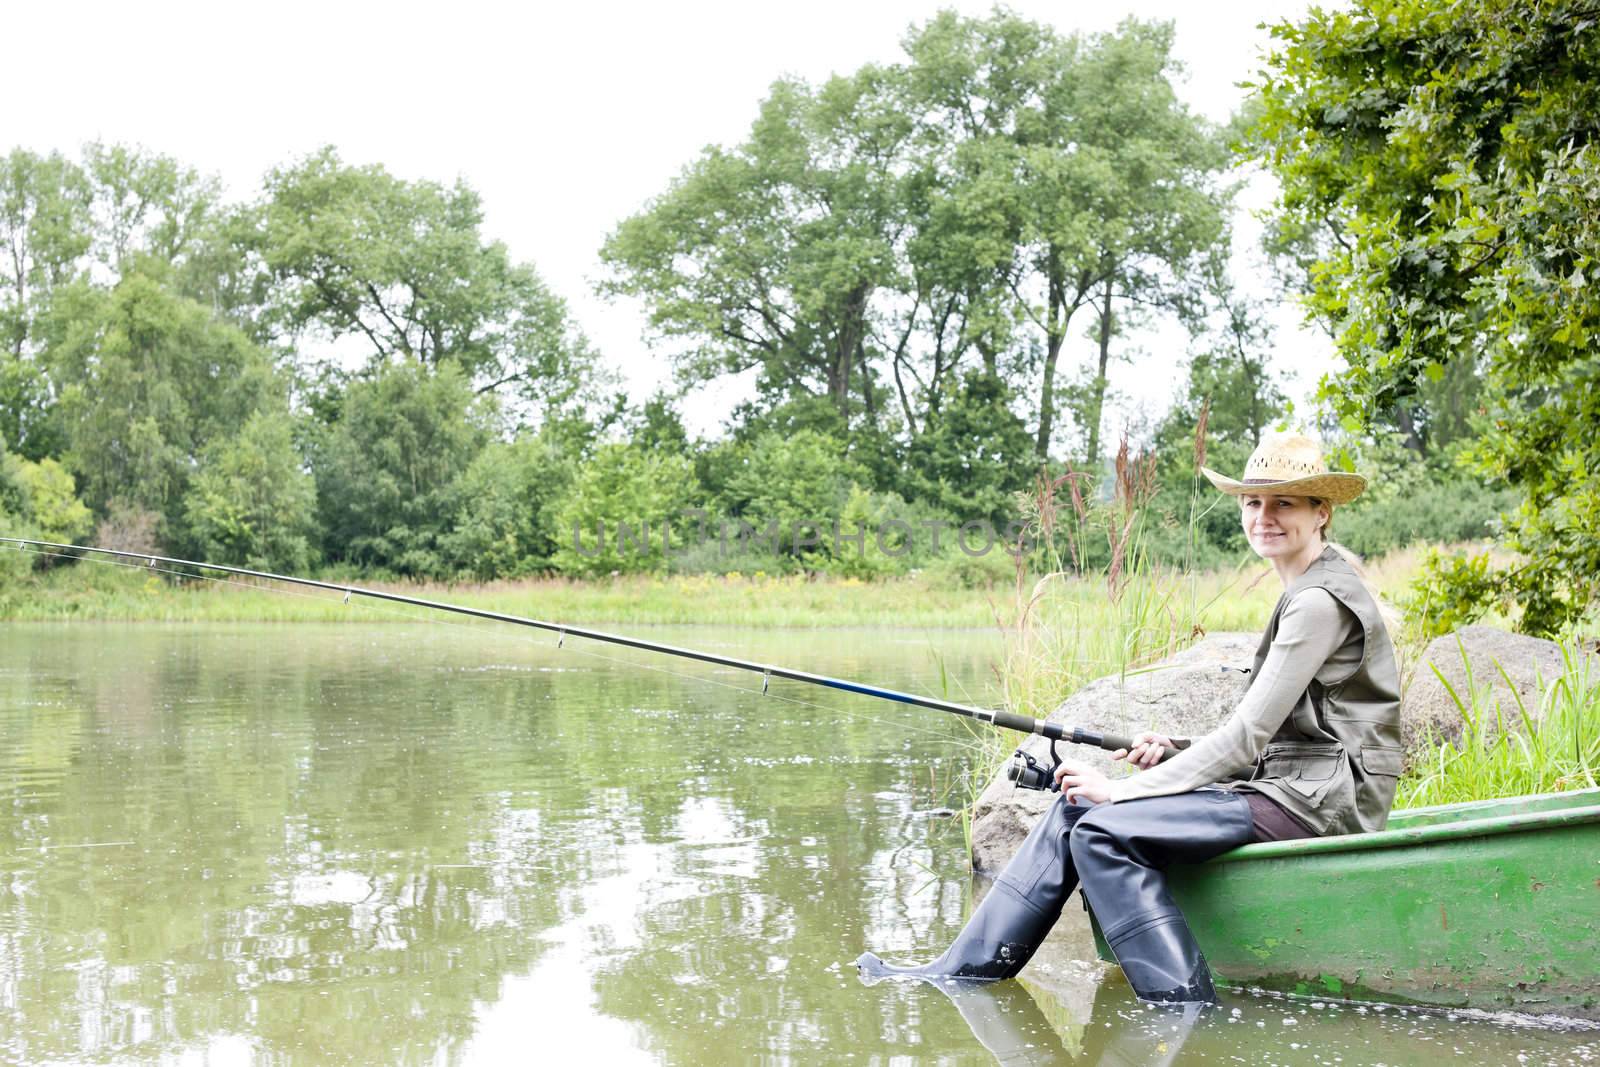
(1336, 487)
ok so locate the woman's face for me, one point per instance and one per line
(1279, 526)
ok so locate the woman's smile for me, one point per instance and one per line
(1282, 528)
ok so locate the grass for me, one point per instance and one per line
(113, 593)
(1556, 748)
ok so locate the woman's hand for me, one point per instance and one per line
(1077, 780)
(1147, 750)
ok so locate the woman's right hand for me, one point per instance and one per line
(1147, 750)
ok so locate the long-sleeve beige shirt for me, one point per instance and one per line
(1318, 638)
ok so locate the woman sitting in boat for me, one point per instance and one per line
(1312, 749)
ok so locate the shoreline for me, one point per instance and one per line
(767, 602)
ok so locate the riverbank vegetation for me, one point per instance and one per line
(1549, 747)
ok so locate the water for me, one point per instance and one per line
(442, 844)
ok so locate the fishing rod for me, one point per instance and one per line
(1024, 770)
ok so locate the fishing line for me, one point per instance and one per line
(393, 609)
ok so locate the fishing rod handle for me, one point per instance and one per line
(1076, 735)
(1110, 742)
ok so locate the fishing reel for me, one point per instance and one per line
(1026, 772)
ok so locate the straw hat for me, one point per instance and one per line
(1290, 464)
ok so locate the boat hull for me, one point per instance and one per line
(1492, 905)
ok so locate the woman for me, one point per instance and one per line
(1313, 748)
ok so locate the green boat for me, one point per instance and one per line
(1492, 905)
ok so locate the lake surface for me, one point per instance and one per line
(432, 843)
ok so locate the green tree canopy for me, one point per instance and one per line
(147, 380)
(624, 487)
(252, 503)
(40, 500)
(975, 454)
(505, 519)
(887, 229)
(387, 470)
(402, 266)
(1439, 158)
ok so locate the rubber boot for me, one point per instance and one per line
(1012, 921)
(1161, 960)
(1121, 851)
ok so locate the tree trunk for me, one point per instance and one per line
(1098, 396)
(1055, 335)
(846, 341)
(1406, 421)
(866, 385)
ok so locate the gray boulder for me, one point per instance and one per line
(1186, 695)
(1529, 665)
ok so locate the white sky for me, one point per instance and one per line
(565, 117)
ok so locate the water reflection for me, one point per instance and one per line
(1027, 1023)
(1007, 1020)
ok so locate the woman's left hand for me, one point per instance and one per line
(1079, 780)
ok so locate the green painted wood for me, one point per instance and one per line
(1492, 905)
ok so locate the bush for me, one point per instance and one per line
(252, 504)
(43, 498)
(1443, 512)
(624, 486)
(38, 501)
(505, 519)
(1452, 592)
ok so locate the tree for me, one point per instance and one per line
(67, 226)
(1095, 185)
(1123, 200)
(45, 232)
(505, 521)
(891, 226)
(1445, 156)
(388, 469)
(796, 484)
(658, 425)
(767, 255)
(355, 251)
(252, 503)
(41, 500)
(146, 204)
(624, 510)
(975, 453)
(148, 379)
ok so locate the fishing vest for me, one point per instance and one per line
(1335, 761)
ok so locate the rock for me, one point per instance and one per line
(1530, 664)
(1184, 696)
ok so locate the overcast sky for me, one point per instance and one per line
(565, 117)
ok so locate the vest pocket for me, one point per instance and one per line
(1307, 768)
(1382, 759)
